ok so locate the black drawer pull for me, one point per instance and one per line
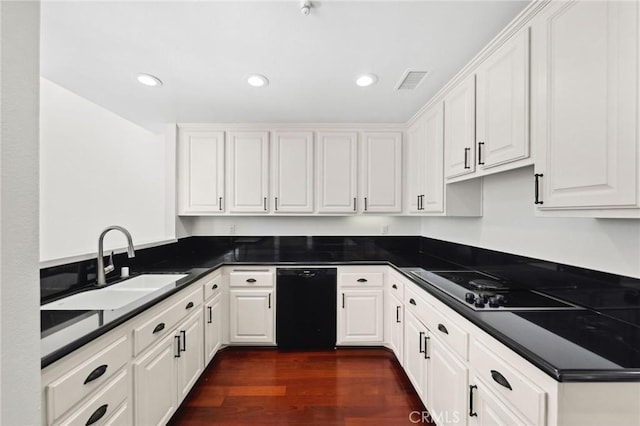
(413, 302)
(158, 328)
(98, 372)
(214, 287)
(471, 412)
(251, 280)
(443, 329)
(362, 280)
(98, 414)
(189, 305)
(499, 378)
(395, 287)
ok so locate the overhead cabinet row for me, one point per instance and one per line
(289, 172)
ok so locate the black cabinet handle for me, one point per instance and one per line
(220, 203)
(251, 280)
(480, 145)
(269, 301)
(466, 158)
(265, 203)
(471, 412)
(421, 339)
(214, 287)
(178, 346)
(158, 328)
(97, 415)
(536, 188)
(422, 202)
(395, 287)
(426, 351)
(189, 305)
(276, 203)
(413, 302)
(397, 314)
(365, 204)
(362, 280)
(98, 372)
(210, 315)
(355, 204)
(342, 300)
(500, 379)
(443, 329)
(184, 340)
(419, 202)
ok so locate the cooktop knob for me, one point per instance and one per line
(479, 302)
(470, 297)
(501, 299)
(493, 302)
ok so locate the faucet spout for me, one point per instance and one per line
(102, 280)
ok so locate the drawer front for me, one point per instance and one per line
(104, 404)
(415, 304)
(449, 333)
(395, 285)
(257, 278)
(503, 378)
(154, 329)
(88, 376)
(361, 279)
(212, 285)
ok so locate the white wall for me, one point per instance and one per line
(296, 225)
(19, 272)
(98, 169)
(509, 225)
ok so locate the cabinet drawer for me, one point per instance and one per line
(155, 328)
(361, 279)
(79, 382)
(448, 332)
(415, 304)
(258, 278)
(104, 404)
(503, 378)
(395, 285)
(212, 285)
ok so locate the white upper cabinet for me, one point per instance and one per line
(416, 166)
(201, 172)
(433, 196)
(585, 97)
(382, 172)
(459, 129)
(248, 164)
(292, 172)
(502, 104)
(337, 172)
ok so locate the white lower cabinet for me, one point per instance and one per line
(415, 365)
(447, 385)
(191, 356)
(212, 328)
(252, 314)
(394, 320)
(360, 317)
(488, 409)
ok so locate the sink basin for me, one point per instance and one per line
(147, 282)
(103, 299)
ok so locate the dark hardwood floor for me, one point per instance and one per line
(272, 387)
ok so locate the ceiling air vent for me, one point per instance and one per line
(411, 79)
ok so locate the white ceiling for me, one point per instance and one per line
(203, 51)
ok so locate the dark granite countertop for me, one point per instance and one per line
(597, 343)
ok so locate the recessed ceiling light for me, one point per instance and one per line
(366, 80)
(149, 80)
(257, 80)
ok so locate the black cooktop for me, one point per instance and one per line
(599, 298)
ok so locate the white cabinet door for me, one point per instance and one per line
(337, 172)
(292, 172)
(585, 100)
(433, 198)
(459, 129)
(394, 321)
(154, 376)
(382, 172)
(212, 328)
(360, 315)
(201, 172)
(191, 359)
(502, 104)
(414, 359)
(252, 313)
(248, 165)
(487, 409)
(447, 384)
(416, 166)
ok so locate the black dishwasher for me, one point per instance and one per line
(306, 308)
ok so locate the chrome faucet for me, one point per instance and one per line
(102, 271)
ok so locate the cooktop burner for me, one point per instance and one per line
(485, 292)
